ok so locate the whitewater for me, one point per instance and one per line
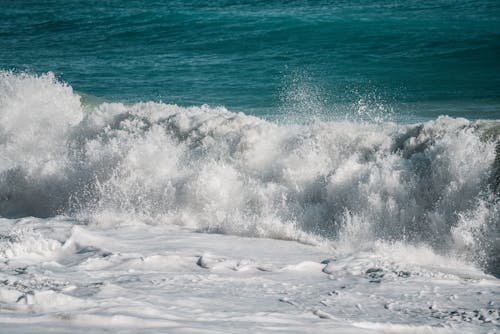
(157, 217)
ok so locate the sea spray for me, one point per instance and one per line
(213, 170)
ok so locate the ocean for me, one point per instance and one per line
(417, 58)
(236, 166)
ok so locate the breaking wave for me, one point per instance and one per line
(213, 170)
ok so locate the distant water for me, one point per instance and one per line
(411, 59)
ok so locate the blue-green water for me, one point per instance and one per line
(415, 58)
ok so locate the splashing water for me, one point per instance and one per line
(353, 183)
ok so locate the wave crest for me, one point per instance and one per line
(219, 171)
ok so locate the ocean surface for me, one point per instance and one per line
(266, 166)
(418, 59)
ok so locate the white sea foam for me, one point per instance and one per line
(217, 171)
(165, 279)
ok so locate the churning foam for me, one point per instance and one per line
(218, 171)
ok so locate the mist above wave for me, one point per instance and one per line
(218, 171)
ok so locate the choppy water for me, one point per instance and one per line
(311, 122)
(418, 59)
(435, 182)
(265, 166)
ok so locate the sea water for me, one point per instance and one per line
(296, 155)
(420, 58)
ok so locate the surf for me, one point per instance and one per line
(213, 170)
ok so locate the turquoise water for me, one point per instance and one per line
(414, 59)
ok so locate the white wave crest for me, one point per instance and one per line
(218, 171)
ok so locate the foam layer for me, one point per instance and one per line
(166, 279)
(218, 171)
